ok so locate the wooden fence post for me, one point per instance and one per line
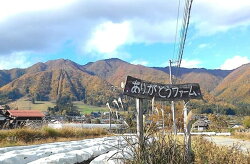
(187, 134)
(139, 122)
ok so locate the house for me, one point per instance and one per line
(237, 126)
(2, 107)
(201, 125)
(25, 114)
(2, 120)
(21, 117)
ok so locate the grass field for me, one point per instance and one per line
(87, 109)
(25, 104)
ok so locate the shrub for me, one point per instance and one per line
(208, 152)
(50, 132)
(169, 150)
(242, 135)
(246, 122)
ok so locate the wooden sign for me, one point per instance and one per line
(164, 92)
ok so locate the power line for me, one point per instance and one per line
(176, 28)
(183, 34)
(185, 29)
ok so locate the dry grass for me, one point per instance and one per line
(171, 150)
(242, 135)
(207, 152)
(159, 151)
(17, 137)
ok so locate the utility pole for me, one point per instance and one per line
(172, 102)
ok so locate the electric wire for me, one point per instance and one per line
(176, 29)
(183, 34)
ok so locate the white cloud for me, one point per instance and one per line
(140, 62)
(105, 26)
(234, 62)
(49, 24)
(14, 7)
(15, 60)
(109, 36)
(203, 45)
(153, 32)
(190, 63)
(210, 17)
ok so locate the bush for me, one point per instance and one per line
(162, 149)
(208, 152)
(242, 135)
(96, 121)
(169, 150)
(50, 132)
(246, 122)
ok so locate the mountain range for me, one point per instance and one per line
(97, 82)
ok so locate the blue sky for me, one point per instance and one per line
(140, 32)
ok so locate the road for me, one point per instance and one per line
(227, 141)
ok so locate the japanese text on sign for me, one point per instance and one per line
(166, 92)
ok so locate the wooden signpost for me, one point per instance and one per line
(141, 89)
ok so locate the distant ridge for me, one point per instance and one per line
(207, 78)
(183, 71)
(115, 71)
(95, 81)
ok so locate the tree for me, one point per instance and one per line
(246, 122)
(208, 111)
(217, 122)
(64, 106)
(230, 111)
(33, 100)
(14, 94)
(6, 107)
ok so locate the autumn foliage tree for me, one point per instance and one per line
(246, 122)
(64, 106)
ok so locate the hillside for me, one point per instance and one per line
(115, 71)
(236, 86)
(208, 79)
(94, 82)
(7, 76)
(53, 79)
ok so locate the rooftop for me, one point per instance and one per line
(25, 113)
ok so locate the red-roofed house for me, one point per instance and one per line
(21, 117)
(25, 113)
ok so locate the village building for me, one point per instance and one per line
(17, 118)
(201, 125)
(2, 107)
